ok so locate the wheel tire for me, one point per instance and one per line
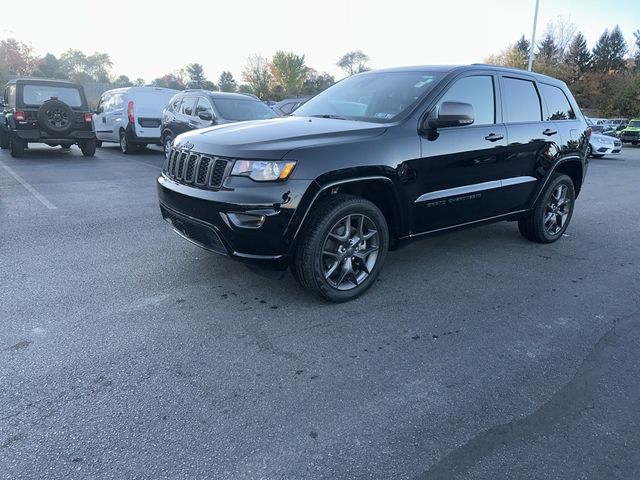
(126, 146)
(17, 147)
(309, 261)
(589, 151)
(166, 144)
(4, 139)
(98, 143)
(597, 156)
(55, 117)
(634, 143)
(533, 226)
(88, 148)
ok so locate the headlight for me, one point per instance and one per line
(263, 171)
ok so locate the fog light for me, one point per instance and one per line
(242, 220)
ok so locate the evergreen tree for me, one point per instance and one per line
(609, 51)
(578, 56)
(226, 82)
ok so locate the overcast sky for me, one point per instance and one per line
(150, 38)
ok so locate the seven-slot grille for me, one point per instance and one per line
(197, 169)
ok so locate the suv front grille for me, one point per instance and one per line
(197, 169)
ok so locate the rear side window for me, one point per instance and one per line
(288, 107)
(174, 106)
(118, 101)
(11, 94)
(521, 101)
(188, 106)
(478, 91)
(557, 103)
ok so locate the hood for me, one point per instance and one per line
(602, 138)
(272, 139)
(631, 129)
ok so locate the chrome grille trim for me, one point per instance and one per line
(200, 170)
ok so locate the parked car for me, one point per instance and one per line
(193, 109)
(631, 134)
(131, 116)
(617, 123)
(49, 111)
(375, 161)
(601, 145)
(601, 129)
(288, 105)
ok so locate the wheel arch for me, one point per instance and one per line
(573, 166)
(380, 190)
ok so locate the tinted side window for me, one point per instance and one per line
(188, 106)
(11, 94)
(521, 101)
(174, 106)
(204, 106)
(557, 103)
(288, 107)
(478, 91)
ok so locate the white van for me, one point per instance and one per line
(131, 116)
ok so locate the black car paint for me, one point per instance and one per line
(400, 160)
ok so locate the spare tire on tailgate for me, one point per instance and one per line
(55, 117)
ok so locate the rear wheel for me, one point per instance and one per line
(342, 251)
(98, 143)
(552, 213)
(88, 147)
(126, 146)
(17, 146)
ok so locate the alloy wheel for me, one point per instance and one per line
(350, 251)
(557, 211)
(123, 143)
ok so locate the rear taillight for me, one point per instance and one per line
(130, 111)
(20, 116)
(88, 118)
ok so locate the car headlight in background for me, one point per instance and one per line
(262, 170)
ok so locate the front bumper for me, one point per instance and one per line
(202, 217)
(606, 149)
(626, 137)
(35, 135)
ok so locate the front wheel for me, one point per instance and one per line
(4, 139)
(341, 253)
(167, 141)
(552, 213)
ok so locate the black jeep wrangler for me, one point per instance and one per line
(375, 161)
(48, 111)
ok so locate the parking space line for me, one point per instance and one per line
(28, 187)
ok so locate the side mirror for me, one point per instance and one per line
(206, 116)
(450, 114)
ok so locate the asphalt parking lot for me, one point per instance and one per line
(128, 353)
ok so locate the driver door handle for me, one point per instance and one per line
(548, 132)
(493, 137)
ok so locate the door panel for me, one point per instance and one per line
(458, 180)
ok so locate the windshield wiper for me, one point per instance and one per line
(336, 117)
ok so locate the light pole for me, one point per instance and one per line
(533, 35)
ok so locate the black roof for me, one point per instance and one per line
(44, 81)
(229, 95)
(461, 68)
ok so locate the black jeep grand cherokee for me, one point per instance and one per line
(50, 111)
(377, 160)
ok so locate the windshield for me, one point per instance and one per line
(38, 94)
(634, 123)
(377, 97)
(239, 109)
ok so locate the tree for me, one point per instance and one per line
(636, 34)
(523, 48)
(289, 71)
(515, 56)
(609, 51)
(98, 66)
(195, 75)
(258, 76)
(209, 85)
(170, 80)
(50, 67)
(578, 57)
(73, 62)
(316, 83)
(548, 51)
(123, 81)
(139, 82)
(353, 62)
(226, 82)
(16, 57)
